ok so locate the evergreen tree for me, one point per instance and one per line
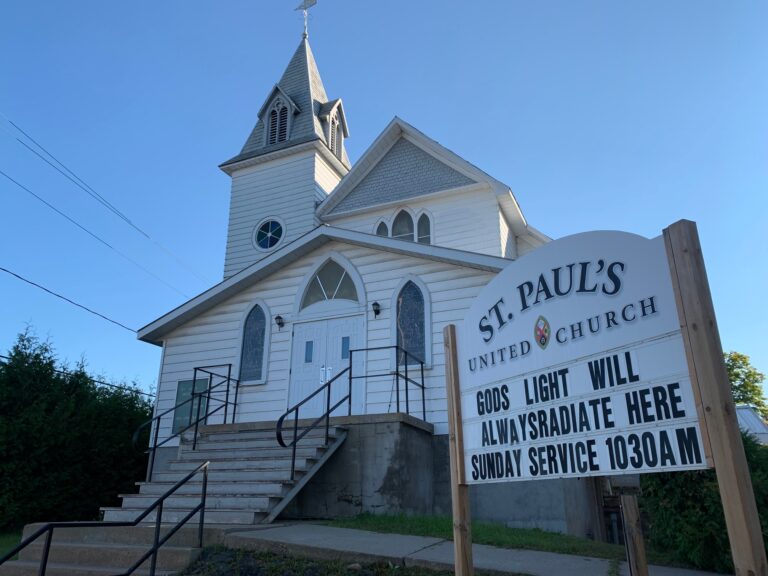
(65, 442)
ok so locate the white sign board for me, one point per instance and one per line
(572, 364)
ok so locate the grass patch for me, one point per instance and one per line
(8, 541)
(220, 561)
(484, 533)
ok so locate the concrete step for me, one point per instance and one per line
(23, 568)
(245, 475)
(239, 464)
(214, 433)
(129, 535)
(214, 442)
(216, 488)
(120, 556)
(214, 516)
(202, 454)
(188, 502)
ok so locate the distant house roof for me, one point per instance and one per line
(751, 422)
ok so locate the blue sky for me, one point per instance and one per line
(598, 115)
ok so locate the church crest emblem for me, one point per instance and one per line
(542, 332)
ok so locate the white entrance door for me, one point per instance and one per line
(320, 351)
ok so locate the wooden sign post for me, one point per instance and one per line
(722, 438)
(462, 534)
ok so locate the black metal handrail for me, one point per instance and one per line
(158, 542)
(326, 416)
(348, 398)
(399, 350)
(154, 422)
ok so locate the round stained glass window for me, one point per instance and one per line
(268, 234)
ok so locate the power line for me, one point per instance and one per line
(109, 384)
(80, 183)
(108, 319)
(93, 235)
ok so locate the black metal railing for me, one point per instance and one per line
(401, 354)
(195, 402)
(158, 541)
(326, 416)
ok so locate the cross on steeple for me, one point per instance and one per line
(304, 7)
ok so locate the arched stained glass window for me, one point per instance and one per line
(423, 230)
(382, 230)
(330, 283)
(411, 324)
(252, 354)
(402, 226)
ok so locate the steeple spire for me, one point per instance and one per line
(296, 111)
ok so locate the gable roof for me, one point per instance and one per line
(155, 331)
(302, 85)
(404, 172)
(453, 172)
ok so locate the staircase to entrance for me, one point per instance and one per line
(223, 475)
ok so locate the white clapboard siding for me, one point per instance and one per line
(467, 221)
(214, 336)
(286, 189)
(508, 244)
(326, 178)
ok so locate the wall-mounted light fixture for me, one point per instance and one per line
(279, 321)
(376, 307)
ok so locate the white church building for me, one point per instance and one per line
(351, 272)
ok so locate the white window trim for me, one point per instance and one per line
(427, 317)
(384, 221)
(273, 106)
(342, 261)
(428, 214)
(267, 343)
(256, 229)
(395, 214)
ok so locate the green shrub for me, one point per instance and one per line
(65, 443)
(685, 515)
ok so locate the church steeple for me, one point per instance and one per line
(291, 161)
(296, 111)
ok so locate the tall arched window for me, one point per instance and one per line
(411, 324)
(423, 230)
(254, 343)
(278, 123)
(331, 282)
(382, 230)
(402, 226)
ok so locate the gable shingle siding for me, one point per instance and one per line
(405, 171)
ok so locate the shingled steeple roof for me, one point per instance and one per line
(302, 88)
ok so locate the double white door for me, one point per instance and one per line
(321, 349)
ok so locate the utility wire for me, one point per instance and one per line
(80, 183)
(99, 239)
(67, 299)
(92, 379)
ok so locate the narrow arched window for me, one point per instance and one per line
(423, 230)
(382, 230)
(331, 282)
(252, 354)
(411, 324)
(278, 123)
(402, 226)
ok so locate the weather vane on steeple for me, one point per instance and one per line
(304, 7)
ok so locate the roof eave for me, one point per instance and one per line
(155, 331)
